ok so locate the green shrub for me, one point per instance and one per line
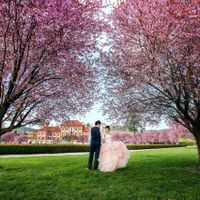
(153, 146)
(188, 143)
(67, 148)
(41, 148)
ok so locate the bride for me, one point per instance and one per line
(113, 155)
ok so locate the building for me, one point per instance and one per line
(49, 134)
(31, 135)
(86, 130)
(70, 130)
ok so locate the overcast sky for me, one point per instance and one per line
(95, 114)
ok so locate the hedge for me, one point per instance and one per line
(189, 143)
(67, 148)
(41, 148)
(153, 146)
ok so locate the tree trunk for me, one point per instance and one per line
(197, 137)
(198, 147)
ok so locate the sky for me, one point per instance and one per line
(95, 114)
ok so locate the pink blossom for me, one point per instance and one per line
(153, 64)
(47, 71)
(8, 137)
(149, 137)
(21, 138)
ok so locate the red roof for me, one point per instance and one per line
(50, 128)
(72, 123)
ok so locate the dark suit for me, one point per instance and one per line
(95, 145)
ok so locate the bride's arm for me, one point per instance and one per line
(102, 136)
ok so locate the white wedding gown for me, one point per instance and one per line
(113, 155)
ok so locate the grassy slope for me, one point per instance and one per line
(157, 174)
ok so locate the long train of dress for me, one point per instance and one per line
(113, 155)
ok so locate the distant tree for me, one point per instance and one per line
(15, 132)
(21, 138)
(134, 125)
(168, 136)
(119, 127)
(8, 137)
(131, 124)
(125, 137)
(184, 132)
(88, 124)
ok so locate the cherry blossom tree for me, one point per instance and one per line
(46, 59)
(21, 138)
(8, 137)
(168, 136)
(184, 132)
(125, 137)
(153, 62)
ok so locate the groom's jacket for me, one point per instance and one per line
(95, 136)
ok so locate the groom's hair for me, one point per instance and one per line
(98, 123)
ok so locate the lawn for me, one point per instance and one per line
(152, 174)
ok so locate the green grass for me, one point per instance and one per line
(159, 174)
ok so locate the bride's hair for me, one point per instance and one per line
(108, 127)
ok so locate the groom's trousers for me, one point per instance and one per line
(94, 148)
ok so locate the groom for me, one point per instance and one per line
(94, 138)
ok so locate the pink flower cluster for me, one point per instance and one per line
(168, 136)
(10, 137)
(21, 138)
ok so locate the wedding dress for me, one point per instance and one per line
(113, 155)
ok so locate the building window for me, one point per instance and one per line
(49, 136)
